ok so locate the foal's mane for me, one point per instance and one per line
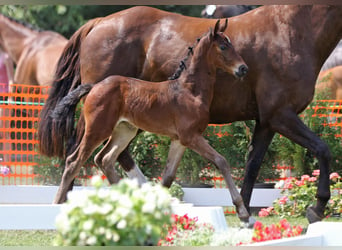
(182, 65)
(20, 22)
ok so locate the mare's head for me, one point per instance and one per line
(221, 52)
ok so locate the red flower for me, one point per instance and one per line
(315, 172)
(334, 176)
(305, 177)
(283, 200)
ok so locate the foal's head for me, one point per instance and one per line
(221, 52)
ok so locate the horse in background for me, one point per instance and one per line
(222, 11)
(335, 58)
(34, 52)
(285, 57)
(331, 80)
(117, 107)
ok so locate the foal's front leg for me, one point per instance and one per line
(201, 146)
(176, 152)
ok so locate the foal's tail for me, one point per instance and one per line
(63, 116)
(67, 78)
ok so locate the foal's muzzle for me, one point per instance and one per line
(242, 71)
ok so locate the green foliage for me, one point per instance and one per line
(304, 161)
(148, 150)
(176, 191)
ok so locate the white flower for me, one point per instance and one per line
(105, 209)
(91, 209)
(91, 241)
(83, 236)
(149, 207)
(88, 225)
(96, 181)
(116, 237)
(103, 193)
(125, 201)
(122, 212)
(122, 224)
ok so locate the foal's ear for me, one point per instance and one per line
(220, 28)
(217, 26)
(211, 34)
(224, 27)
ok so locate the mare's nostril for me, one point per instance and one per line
(243, 69)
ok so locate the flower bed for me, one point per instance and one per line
(129, 215)
(299, 194)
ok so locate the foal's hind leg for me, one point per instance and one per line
(201, 146)
(73, 165)
(121, 136)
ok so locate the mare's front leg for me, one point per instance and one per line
(262, 137)
(287, 123)
(176, 152)
(201, 146)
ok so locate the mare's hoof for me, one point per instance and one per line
(312, 216)
(249, 223)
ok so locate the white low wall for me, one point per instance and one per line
(30, 207)
(196, 196)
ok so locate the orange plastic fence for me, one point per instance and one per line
(19, 118)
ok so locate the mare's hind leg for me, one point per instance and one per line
(121, 136)
(176, 152)
(201, 146)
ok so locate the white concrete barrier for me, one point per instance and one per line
(196, 196)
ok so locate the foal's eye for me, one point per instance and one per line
(223, 47)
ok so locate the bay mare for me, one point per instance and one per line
(118, 106)
(34, 52)
(285, 47)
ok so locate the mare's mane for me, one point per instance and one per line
(20, 22)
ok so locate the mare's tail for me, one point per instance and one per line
(67, 77)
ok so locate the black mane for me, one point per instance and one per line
(182, 64)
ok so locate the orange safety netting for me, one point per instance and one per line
(19, 116)
(18, 122)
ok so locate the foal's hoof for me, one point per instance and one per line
(248, 224)
(313, 216)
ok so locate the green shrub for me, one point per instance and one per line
(124, 214)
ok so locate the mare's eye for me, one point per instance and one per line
(223, 47)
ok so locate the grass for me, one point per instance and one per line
(46, 237)
(27, 237)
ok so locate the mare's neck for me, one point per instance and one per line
(326, 30)
(14, 37)
(200, 76)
